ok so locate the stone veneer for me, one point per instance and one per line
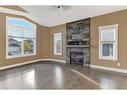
(78, 31)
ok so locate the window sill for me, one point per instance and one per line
(107, 59)
(19, 56)
(57, 54)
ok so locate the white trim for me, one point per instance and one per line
(22, 52)
(53, 60)
(109, 68)
(54, 36)
(23, 19)
(115, 44)
(93, 66)
(57, 60)
(45, 59)
(19, 64)
(18, 56)
(20, 13)
(29, 62)
(11, 11)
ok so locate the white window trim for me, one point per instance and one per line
(115, 48)
(22, 54)
(55, 53)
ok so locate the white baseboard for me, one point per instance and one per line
(19, 64)
(29, 62)
(57, 60)
(45, 59)
(93, 66)
(109, 69)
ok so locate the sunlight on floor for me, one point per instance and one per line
(59, 77)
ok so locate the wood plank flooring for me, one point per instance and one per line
(55, 75)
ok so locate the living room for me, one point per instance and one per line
(43, 48)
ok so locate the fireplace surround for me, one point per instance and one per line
(78, 42)
(78, 55)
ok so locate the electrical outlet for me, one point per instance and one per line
(46, 56)
(118, 64)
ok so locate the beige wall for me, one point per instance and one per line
(45, 46)
(17, 8)
(41, 43)
(109, 19)
(120, 18)
(62, 29)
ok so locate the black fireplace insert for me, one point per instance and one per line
(76, 57)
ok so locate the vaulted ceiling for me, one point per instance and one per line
(52, 15)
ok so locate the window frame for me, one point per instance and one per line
(115, 43)
(22, 47)
(55, 53)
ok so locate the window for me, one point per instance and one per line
(21, 38)
(57, 43)
(108, 40)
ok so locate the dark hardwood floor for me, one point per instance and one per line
(54, 75)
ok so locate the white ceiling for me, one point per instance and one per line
(48, 15)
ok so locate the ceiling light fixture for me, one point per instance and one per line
(59, 9)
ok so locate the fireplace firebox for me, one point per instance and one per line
(76, 57)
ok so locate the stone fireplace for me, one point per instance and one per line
(77, 55)
(78, 42)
